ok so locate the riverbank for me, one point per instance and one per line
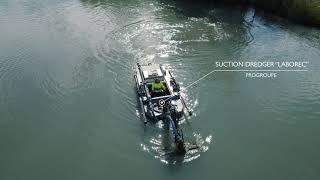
(302, 11)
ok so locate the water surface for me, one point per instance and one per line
(69, 110)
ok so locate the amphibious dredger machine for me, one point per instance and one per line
(169, 106)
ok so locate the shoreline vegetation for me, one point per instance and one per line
(301, 11)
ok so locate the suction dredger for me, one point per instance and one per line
(167, 105)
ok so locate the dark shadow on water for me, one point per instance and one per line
(235, 19)
(269, 20)
(240, 16)
(232, 20)
(216, 12)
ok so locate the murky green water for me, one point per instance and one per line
(68, 108)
